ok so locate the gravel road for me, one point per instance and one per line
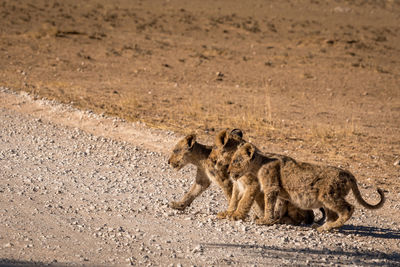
(80, 197)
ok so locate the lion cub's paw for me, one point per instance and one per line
(264, 221)
(315, 226)
(286, 220)
(322, 229)
(177, 205)
(223, 214)
(237, 216)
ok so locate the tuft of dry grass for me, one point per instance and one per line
(329, 133)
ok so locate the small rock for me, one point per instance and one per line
(397, 163)
(8, 245)
(285, 239)
(197, 249)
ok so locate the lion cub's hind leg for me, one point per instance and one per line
(339, 209)
(331, 216)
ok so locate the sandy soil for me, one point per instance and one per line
(317, 80)
(73, 197)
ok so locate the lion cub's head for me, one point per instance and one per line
(181, 153)
(226, 143)
(240, 161)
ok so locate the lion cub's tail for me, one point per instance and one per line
(359, 198)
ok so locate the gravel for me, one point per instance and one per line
(70, 197)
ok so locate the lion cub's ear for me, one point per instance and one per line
(222, 138)
(249, 149)
(237, 134)
(190, 140)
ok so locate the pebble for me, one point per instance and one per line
(197, 249)
(8, 245)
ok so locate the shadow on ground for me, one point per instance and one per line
(370, 231)
(19, 263)
(314, 256)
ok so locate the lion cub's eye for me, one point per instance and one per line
(236, 161)
(176, 150)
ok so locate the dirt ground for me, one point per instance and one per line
(317, 80)
(79, 189)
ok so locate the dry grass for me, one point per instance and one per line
(213, 111)
(329, 133)
(204, 113)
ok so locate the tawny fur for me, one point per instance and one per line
(246, 190)
(212, 164)
(226, 143)
(308, 186)
(188, 151)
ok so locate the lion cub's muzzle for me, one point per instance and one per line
(174, 165)
(233, 176)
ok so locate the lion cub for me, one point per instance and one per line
(308, 186)
(188, 151)
(226, 144)
(246, 190)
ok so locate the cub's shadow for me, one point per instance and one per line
(376, 232)
(311, 257)
(351, 256)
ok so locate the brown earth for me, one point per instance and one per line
(316, 79)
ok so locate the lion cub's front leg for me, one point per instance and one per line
(233, 203)
(268, 177)
(200, 184)
(250, 188)
(225, 184)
